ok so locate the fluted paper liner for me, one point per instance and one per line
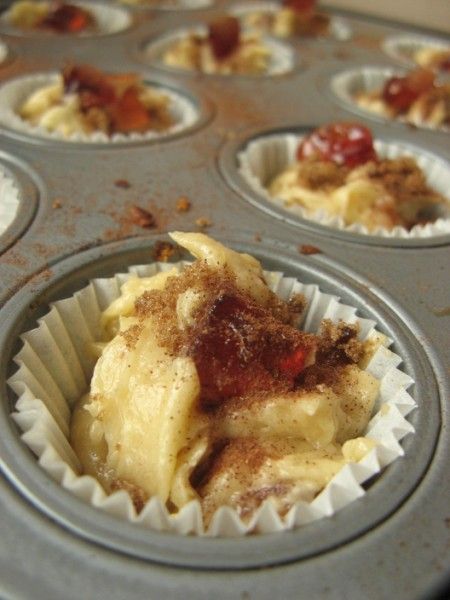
(9, 200)
(13, 94)
(268, 156)
(109, 19)
(403, 48)
(55, 370)
(170, 4)
(281, 56)
(348, 84)
(337, 29)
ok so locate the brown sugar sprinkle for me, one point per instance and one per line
(241, 455)
(131, 335)
(164, 251)
(401, 177)
(183, 204)
(242, 349)
(203, 222)
(317, 174)
(307, 250)
(137, 494)
(124, 184)
(238, 346)
(141, 217)
(338, 346)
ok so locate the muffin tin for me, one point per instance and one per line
(73, 223)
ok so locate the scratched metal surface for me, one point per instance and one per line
(396, 540)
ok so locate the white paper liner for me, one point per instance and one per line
(403, 48)
(266, 157)
(13, 93)
(9, 201)
(109, 19)
(338, 28)
(170, 4)
(348, 84)
(281, 56)
(55, 370)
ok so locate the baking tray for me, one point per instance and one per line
(73, 224)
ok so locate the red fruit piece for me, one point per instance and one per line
(300, 6)
(293, 364)
(67, 18)
(223, 35)
(92, 85)
(401, 92)
(129, 114)
(348, 144)
(238, 352)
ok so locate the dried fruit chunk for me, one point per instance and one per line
(129, 114)
(224, 36)
(91, 84)
(117, 94)
(67, 18)
(401, 92)
(348, 144)
(236, 356)
(301, 6)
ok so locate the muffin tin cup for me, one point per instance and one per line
(267, 156)
(54, 372)
(403, 48)
(348, 84)
(393, 485)
(339, 29)
(281, 59)
(13, 93)
(109, 19)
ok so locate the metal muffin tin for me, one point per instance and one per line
(73, 224)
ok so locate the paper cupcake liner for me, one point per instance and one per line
(9, 203)
(109, 19)
(348, 84)
(404, 48)
(338, 28)
(281, 56)
(266, 157)
(55, 370)
(169, 4)
(13, 94)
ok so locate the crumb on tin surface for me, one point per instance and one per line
(142, 218)
(123, 184)
(163, 251)
(203, 222)
(308, 249)
(183, 204)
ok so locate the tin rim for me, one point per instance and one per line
(393, 486)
